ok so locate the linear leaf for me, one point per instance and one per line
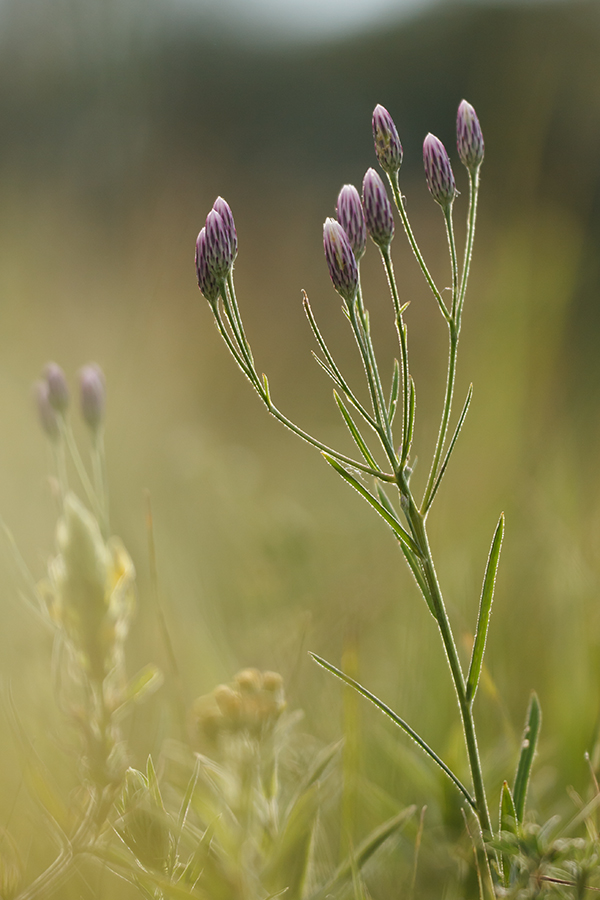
(440, 475)
(397, 720)
(395, 391)
(398, 530)
(410, 425)
(327, 368)
(358, 438)
(507, 822)
(531, 732)
(485, 608)
(415, 568)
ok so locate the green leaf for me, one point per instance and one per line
(529, 741)
(315, 772)
(402, 535)
(358, 438)
(485, 608)
(415, 567)
(440, 475)
(290, 857)
(153, 785)
(508, 822)
(397, 721)
(394, 392)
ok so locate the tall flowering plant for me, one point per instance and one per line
(389, 416)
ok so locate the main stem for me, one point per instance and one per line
(418, 528)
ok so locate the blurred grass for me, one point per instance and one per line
(110, 161)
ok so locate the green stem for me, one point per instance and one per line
(418, 528)
(473, 195)
(401, 329)
(451, 377)
(399, 200)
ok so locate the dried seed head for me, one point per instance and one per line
(58, 389)
(378, 211)
(92, 395)
(469, 138)
(340, 260)
(219, 247)
(46, 413)
(438, 172)
(206, 280)
(224, 210)
(351, 217)
(387, 143)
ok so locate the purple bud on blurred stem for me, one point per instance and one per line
(206, 280)
(378, 211)
(92, 388)
(469, 138)
(351, 217)
(340, 260)
(224, 210)
(58, 390)
(387, 143)
(47, 415)
(438, 171)
(219, 249)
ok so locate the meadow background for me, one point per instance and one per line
(119, 125)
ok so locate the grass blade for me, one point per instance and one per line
(485, 609)
(508, 822)
(402, 535)
(531, 733)
(397, 721)
(358, 438)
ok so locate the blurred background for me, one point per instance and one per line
(120, 122)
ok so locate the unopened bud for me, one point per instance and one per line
(224, 210)
(249, 681)
(206, 280)
(378, 211)
(58, 390)
(469, 138)
(340, 260)
(46, 413)
(387, 143)
(219, 248)
(92, 394)
(351, 217)
(438, 172)
(228, 701)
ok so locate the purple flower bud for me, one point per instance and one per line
(58, 390)
(224, 210)
(387, 143)
(340, 260)
(206, 280)
(469, 138)
(92, 395)
(378, 211)
(46, 413)
(438, 171)
(351, 217)
(219, 249)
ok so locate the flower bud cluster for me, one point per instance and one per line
(249, 706)
(216, 249)
(51, 394)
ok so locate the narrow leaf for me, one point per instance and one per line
(415, 568)
(531, 733)
(153, 785)
(485, 608)
(314, 773)
(358, 438)
(402, 535)
(187, 797)
(440, 474)
(508, 822)
(398, 721)
(395, 391)
(410, 425)
(327, 368)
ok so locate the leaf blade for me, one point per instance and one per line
(485, 609)
(397, 720)
(533, 721)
